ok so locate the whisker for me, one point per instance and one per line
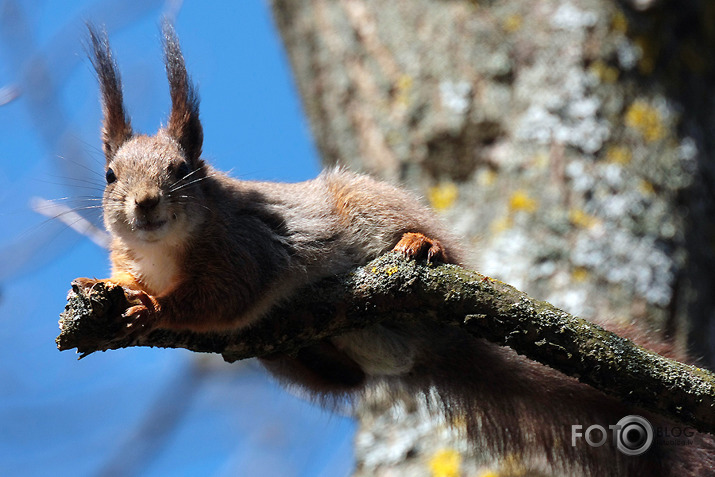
(78, 179)
(76, 197)
(194, 201)
(86, 228)
(49, 205)
(80, 164)
(76, 186)
(59, 213)
(189, 174)
(91, 149)
(40, 208)
(177, 181)
(190, 183)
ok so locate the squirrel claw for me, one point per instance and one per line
(416, 245)
(139, 318)
(142, 297)
(85, 283)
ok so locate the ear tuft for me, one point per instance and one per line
(117, 127)
(184, 125)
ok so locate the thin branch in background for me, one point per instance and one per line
(8, 94)
(159, 423)
(72, 219)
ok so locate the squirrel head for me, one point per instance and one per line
(154, 191)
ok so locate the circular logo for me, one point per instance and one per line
(634, 435)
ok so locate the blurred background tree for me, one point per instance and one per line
(569, 141)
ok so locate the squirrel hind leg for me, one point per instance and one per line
(418, 246)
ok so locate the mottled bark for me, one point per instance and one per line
(570, 141)
(393, 289)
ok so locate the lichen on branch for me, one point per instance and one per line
(393, 289)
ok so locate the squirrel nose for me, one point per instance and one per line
(147, 202)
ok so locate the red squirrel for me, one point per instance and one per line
(198, 250)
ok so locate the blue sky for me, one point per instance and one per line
(174, 413)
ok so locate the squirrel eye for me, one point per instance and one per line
(110, 176)
(183, 170)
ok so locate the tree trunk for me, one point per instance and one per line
(569, 142)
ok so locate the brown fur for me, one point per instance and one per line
(201, 251)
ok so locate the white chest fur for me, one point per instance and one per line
(156, 266)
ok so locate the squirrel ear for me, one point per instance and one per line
(117, 127)
(184, 125)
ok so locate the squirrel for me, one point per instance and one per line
(198, 250)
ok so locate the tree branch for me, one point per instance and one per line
(391, 288)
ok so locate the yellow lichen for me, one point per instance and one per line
(388, 271)
(619, 155)
(443, 196)
(403, 89)
(520, 200)
(542, 160)
(445, 463)
(489, 473)
(604, 72)
(486, 177)
(391, 271)
(619, 22)
(579, 274)
(581, 219)
(645, 119)
(512, 23)
(501, 224)
(646, 188)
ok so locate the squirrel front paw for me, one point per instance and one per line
(416, 245)
(142, 317)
